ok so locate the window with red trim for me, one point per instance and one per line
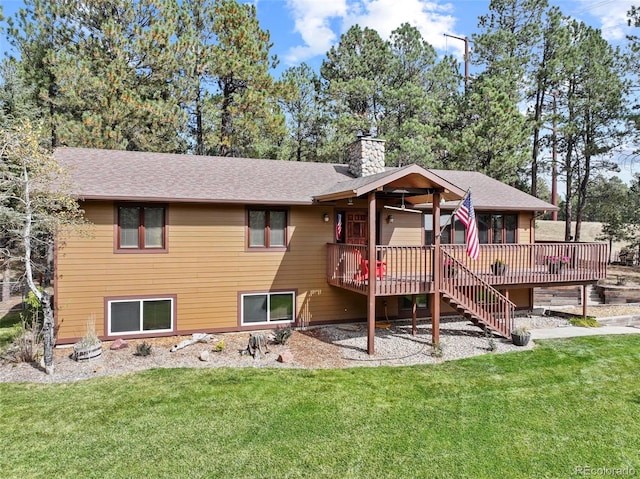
(492, 228)
(141, 227)
(267, 228)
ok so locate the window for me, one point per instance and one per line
(262, 308)
(267, 228)
(497, 228)
(492, 228)
(130, 316)
(141, 227)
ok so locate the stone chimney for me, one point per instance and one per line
(366, 156)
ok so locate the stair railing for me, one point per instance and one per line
(475, 297)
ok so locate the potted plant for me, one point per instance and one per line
(499, 267)
(89, 346)
(557, 263)
(520, 336)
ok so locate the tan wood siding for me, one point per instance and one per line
(206, 266)
(524, 228)
(406, 229)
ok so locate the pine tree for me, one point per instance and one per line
(245, 105)
(592, 111)
(195, 51)
(103, 71)
(353, 75)
(413, 96)
(304, 112)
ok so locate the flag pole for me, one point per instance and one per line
(453, 213)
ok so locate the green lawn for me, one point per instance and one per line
(9, 328)
(538, 413)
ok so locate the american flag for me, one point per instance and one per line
(339, 227)
(467, 217)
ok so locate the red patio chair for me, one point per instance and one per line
(363, 273)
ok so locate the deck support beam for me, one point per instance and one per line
(435, 303)
(371, 293)
(584, 301)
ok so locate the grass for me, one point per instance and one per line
(588, 322)
(537, 413)
(10, 326)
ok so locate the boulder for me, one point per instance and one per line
(285, 357)
(119, 344)
(205, 356)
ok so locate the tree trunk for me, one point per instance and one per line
(47, 332)
(226, 119)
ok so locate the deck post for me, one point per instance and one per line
(371, 292)
(414, 314)
(435, 303)
(584, 301)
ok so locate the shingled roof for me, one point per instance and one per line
(490, 194)
(143, 176)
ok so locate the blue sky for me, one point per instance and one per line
(304, 30)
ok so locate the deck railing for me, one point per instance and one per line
(536, 263)
(409, 269)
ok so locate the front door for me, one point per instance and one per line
(357, 231)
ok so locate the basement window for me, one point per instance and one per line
(134, 316)
(267, 308)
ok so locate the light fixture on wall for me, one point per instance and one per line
(390, 219)
(325, 217)
(350, 202)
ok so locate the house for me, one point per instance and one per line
(182, 244)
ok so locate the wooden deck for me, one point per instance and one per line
(409, 269)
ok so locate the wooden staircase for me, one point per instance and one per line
(474, 298)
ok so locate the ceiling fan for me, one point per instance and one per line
(402, 207)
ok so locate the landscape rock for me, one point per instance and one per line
(119, 344)
(285, 357)
(205, 356)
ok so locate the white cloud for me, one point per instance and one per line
(431, 18)
(312, 22)
(314, 18)
(612, 15)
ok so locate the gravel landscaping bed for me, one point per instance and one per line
(337, 346)
(322, 347)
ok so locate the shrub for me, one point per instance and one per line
(219, 346)
(491, 342)
(282, 335)
(143, 349)
(27, 346)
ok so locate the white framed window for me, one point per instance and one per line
(266, 308)
(135, 316)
